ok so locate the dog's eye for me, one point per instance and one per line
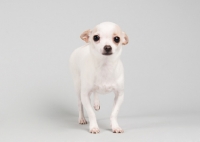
(96, 37)
(117, 39)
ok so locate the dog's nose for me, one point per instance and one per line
(107, 48)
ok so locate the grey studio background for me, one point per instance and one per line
(162, 65)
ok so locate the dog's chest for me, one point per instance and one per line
(104, 80)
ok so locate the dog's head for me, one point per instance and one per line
(105, 39)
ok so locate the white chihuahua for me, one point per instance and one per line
(97, 68)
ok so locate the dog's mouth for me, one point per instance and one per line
(107, 53)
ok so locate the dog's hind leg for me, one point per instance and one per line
(96, 102)
(81, 119)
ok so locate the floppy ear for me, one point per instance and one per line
(125, 39)
(85, 36)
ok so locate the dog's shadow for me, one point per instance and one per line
(59, 116)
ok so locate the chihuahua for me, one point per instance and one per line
(97, 69)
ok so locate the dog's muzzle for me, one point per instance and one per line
(107, 50)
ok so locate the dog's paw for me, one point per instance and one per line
(117, 130)
(94, 130)
(82, 121)
(96, 107)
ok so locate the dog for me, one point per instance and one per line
(97, 69)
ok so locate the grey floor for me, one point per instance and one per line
(58, 124)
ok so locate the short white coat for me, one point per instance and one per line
(97, 73)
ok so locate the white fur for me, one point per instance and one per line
(96, 73)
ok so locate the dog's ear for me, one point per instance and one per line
(85, 36)
(125, 39)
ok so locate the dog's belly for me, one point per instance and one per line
(103, 88)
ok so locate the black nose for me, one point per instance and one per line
(107, 48)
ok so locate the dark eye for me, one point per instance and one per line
(117, 39)
(96, 37)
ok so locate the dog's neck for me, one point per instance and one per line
(107, 62)
(103, 61)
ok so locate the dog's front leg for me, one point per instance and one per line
(96, 102)
(119, 96)
(93, 126)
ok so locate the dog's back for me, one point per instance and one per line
(77, 58)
